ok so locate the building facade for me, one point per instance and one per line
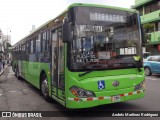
(4, 40)
(1, 43)
(150, 19)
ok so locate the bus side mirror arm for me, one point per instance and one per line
(66, 31)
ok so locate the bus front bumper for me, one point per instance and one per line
(103, 98)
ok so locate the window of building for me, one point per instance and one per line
(147, 9)
(158, 5)
(140, 10)
(158, 26)
(152, 7)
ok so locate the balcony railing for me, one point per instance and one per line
(150, 17)
(155, 37)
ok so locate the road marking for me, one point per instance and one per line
(12, 91)
(152, 78)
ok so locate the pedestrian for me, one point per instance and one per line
(0, 63)
(3, 62)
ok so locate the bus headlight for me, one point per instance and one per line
(140, 86)
(79, 92)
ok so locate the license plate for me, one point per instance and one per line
(116, 98)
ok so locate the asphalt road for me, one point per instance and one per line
(19, 95)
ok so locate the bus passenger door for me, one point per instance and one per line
(57, 63)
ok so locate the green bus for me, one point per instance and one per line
(89, 55)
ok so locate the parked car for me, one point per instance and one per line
(152, 65)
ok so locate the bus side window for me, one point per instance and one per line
(38, 43)
(44, 40)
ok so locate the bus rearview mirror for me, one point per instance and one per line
(66, 31)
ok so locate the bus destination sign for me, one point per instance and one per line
(107, 17)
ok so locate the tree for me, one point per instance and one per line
(8, 45)
(148, 27)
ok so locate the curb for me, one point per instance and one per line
(3, 70)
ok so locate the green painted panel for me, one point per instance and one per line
(155, 37)
(141, 1)
(54, 90)
(32, 72)
(128, 78)
(151, 17)
(61, 94)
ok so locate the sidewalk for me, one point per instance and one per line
(3, 69)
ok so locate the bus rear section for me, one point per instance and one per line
(104, 63)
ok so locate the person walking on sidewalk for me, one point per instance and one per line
(3, 62)
(0, 63)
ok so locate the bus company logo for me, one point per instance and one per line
(115, 83)
(6, 114)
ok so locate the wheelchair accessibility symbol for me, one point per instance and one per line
(101, 84)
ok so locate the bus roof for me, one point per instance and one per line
(71, 6)
(102, 6)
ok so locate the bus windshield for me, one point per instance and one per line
(104, 39)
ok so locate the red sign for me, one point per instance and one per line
(158, 47)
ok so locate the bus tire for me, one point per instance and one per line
(17, 73)
(44, 88)
(147, 71)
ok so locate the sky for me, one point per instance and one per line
(18, 16)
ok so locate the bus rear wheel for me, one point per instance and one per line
(17, 73)
(44, 88)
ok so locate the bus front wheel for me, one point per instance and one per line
(45, 88)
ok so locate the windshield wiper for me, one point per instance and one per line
(91, 69)
(132, 60)
(82, 74)
(137, 63)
